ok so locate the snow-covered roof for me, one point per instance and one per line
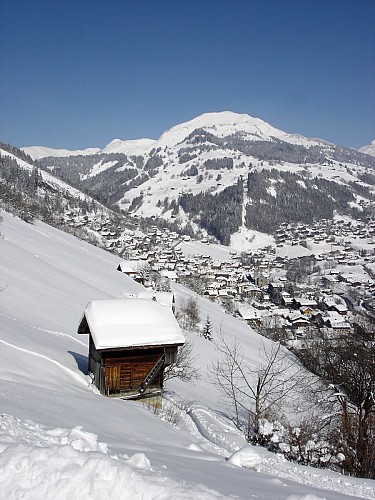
(163, 298)
(305, 302)
(117, 323)
(130, 266)
(336, 302)
(248, 313)
(172, 275)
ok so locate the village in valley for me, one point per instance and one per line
(187, 250)
(312, 278)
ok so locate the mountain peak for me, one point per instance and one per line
(369, 149)
(129, 147)
(226, 123)
(222, 124)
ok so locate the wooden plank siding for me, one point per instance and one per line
(120, 372)
(95, 357)
(125, 370)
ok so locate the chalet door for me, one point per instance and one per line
(113, 379)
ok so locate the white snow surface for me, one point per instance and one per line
(99, 167)
(246, 457)
(37, 152)
(130, 147)
(221, 124)
(131, 322)
(61, 439)
(225, 123)
(53, 181)
(249, 239)
(369, 149)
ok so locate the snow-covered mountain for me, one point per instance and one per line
(369, 149)
(194, 164)
(227, 123)
(37, 152)
(130, 147)
(222, 124)
(59, 438)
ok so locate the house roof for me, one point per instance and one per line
(249, 314)
(169, 274)
(130, 266)
(163, 298)
(115, 323)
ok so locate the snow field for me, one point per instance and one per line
(60, 439)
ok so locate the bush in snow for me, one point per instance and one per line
(246, 457)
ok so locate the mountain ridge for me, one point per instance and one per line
(177, 133)
(368, 149)
(203, 172)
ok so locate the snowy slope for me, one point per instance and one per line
(60, 439)
(53, 181)
(209, 153)
(225, 123)
(369, 149)
(221, 124)
(131, 147)
(37, 152)
(138, 146)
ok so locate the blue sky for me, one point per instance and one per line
(79, 73)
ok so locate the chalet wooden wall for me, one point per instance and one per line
(122, 371)
(126, 370)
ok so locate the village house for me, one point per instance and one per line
(307, 305)
(334, 303)
(286, 299)
(249, 291)
(333, 320)
(133, 269)
(250, 315)
(171, 275)
(131, 341)
(164, 298)
(298, 321)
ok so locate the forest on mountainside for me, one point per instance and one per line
(220, 214)
(273, 197)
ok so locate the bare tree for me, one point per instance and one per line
(197, 283)
(184, 368)
(189, 314)
(348, 364)
(143, 271)
(159, 283)
(255, 393)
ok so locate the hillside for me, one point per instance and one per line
(59, 438)
(33, 192)
(369, 149)
(189, 174)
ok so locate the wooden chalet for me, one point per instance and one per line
(131, 341)
(133, 269)
(250, 315)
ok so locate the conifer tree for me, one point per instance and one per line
(207, 329)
